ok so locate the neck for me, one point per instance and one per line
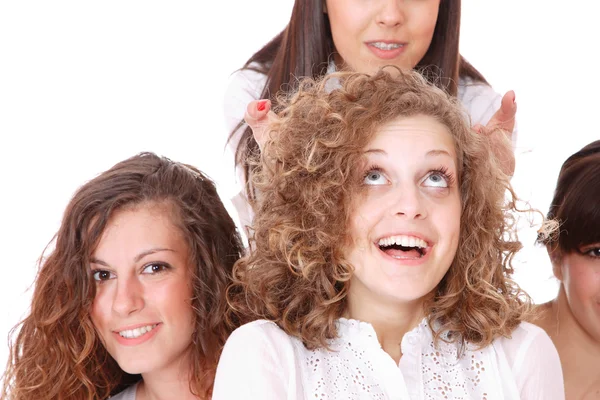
(579, 352)
(390, 318)
(172, 382)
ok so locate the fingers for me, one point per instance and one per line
(477, 128)
(257, 117)
(504, 118)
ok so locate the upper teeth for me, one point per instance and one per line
(403, 240)
(137, 332)
(386, 46)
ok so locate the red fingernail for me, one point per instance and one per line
(261, 105)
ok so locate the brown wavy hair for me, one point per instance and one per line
(308, 180)
(56, 352)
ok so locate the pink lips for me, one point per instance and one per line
(408, 261)
(139, 340)
(386, 54)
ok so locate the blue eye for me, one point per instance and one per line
(102, 275)
(436, 179)
(375, 177)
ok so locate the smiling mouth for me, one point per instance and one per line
(386, 46)
(137, 332)
(403, 247)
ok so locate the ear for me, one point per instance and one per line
(555, 255)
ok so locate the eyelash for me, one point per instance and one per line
(99, 281)
(442, 170)
(373, 167)
(586, 252)
(164, 268)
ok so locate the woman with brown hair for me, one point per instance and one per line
(572, 319)
(132, 297)
(323, 36)
(381, 256)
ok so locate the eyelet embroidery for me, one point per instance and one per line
(354, 370)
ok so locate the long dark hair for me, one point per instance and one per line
(57, 353)
(304, 49)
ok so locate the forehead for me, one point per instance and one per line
(141, 226)
(413, 134)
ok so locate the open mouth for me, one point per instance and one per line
(403, 247)
(137, 332)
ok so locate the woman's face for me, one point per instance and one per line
(369, 34)
(579, 273)
(142, 309)
(406, 229)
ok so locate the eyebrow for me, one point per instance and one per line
(436, 152)
(377, 151)
(137, 258)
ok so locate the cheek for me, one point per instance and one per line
(447, 214)
(364, 218)
(344, 17)
(347, 25)
(423, 23)
(581, 283)
(100, 309)
(174, 301)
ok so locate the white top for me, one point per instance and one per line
(127, 394)
(260, 361)
(479, 100)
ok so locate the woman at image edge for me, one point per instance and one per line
(572, 319)
(130, 302)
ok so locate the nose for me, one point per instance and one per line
(391, 13)
(128, 296)
(408, 202)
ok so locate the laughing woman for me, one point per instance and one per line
(381, 262)
(132, 297)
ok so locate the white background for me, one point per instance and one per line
(86, 84)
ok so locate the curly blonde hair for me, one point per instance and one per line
(308, 180)
(56, 352)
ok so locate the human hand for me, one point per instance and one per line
(499, 129)
(257, 116)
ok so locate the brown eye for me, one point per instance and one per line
(595, 252)
(155, 268)
(102, 275)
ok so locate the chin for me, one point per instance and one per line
(135, 367)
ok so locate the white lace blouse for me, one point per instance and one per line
(260, 361)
